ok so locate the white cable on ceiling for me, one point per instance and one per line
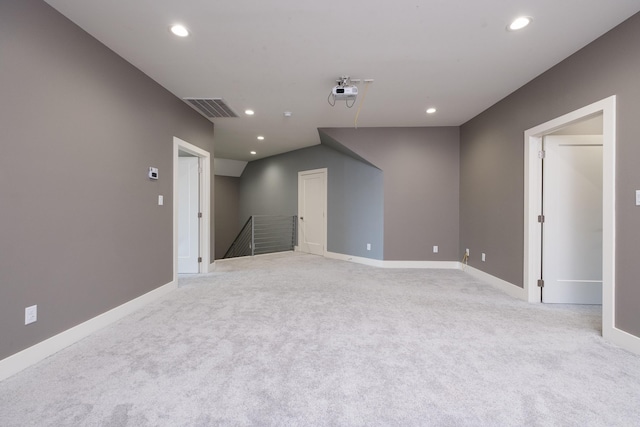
(364, 95)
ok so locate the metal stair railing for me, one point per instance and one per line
(263, 234)
(241, 246)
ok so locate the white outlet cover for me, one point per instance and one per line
(30, 314)
(160, 200)
(467, 252)
(368, 246)
(435, 249)
(484, 257)
(637, 197)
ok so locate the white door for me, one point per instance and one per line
(572, 229)
(188, 209)
(312, 204)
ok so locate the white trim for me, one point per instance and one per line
(446, 265)
(532, 178)
(506, 287)
(623, 339)
(205, 191)
(223, 260)
(355, 259)
(38, 352)
(212, 267)
(449, 265)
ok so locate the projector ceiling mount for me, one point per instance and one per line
(345, 90)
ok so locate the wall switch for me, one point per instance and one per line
(484, 257)
(368, 246)
(637, 197)
(30, 314)
(160, 200)
(435, 249)
(467, 251)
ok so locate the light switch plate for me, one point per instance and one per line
(160, 200)
(637, 197)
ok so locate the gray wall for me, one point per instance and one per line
(492, 153)
(227, 200)
(421, 174)
(354, 196)
(80, 228)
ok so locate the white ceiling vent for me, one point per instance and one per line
(211, 108)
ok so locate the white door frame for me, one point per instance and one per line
(326, 213)
(205, 186)
(532, 192)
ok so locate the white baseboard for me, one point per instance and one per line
(451, 265)
(622, 339)
(212, 267)
(34, 354)
(358, 260)
(223, 260)
(503, 285)
(447, 265)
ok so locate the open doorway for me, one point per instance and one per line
(533, 245)
(191, 217)
(571, 214)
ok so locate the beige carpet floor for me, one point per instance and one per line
(299, 340)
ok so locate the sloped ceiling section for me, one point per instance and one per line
(330, 142)
(228, 167)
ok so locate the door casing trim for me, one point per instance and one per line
(205, 186)
(532, 191)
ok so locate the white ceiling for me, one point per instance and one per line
(285, 55)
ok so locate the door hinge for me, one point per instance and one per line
(542, 154)
(540, 219)
(199, 259)
(199, 214)
(541, 283)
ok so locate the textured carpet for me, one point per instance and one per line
(299, 340)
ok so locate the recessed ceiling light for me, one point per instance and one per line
(431, 110)
(261, 138)
(249, 112)
(254, 153)
(519, 23)
(179, 30)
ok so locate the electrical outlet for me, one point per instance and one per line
(637, 197)
(467, 251)
(484, 257)
(30, 314)
(368, 246)
(435, 249)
